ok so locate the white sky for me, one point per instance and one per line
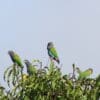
(26, 26)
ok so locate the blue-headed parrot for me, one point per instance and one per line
(15, 58)
(52, 52)
(30, 68)
(84, 74)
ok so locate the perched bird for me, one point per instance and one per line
(52, 52)
(15, 58)
(30, 68)
(85, 73)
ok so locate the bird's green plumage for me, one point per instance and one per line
(30, 68)
(15, 58)
(53, 52)
(85, 73)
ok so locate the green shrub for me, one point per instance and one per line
(48, 83)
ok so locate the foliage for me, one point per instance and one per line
(48, 83)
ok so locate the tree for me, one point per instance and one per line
(48, 83)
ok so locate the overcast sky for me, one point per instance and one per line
(26, 26)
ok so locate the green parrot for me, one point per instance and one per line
(30, 68)
(15, 58)
(52, 52)
(85, 73)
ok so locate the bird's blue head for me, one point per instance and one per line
(50, 45)
(27, 63)
(91, 70)
(11, 53)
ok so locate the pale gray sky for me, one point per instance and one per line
(73, 25)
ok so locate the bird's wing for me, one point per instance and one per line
(54, 52)
(31, 70)
(17, 59)
(85, 74)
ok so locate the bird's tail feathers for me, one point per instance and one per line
(58, 61)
